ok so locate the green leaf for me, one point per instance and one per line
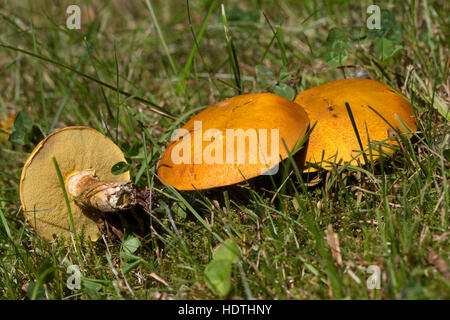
(338, 44)
(336, 35)
(236, 14)
(264, 76)
(23, 121)
(336, 56)
(91, 289)
(17, 137)
(180, 210)
(22, 127)
(131, 244)
(218, 277)
(447, 155)
(130, 266)
(357, 35)
(228, 251)
(120, 167)
(40, 291)
(390, 28)
(384, 49)
(129, 256)
(47, 271)
(284, 75)
(284, 90)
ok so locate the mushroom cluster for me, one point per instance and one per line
(378, 113)
(232, 141)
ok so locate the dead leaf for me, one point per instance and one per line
(333, 242)
(439, 263)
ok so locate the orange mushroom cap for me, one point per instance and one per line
(260, 121)
(334, 135)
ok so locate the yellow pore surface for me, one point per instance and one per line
(334, 133)
(249, 113)
(75, 149)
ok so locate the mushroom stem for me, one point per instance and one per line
(89, 192)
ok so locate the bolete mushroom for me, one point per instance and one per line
(85, 158)
(234, 140)
(334, 135)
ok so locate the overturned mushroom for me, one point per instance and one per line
(334, 139)
(85, 158)
(232, 141)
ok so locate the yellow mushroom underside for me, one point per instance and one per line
(250, 111)
(334, 135)
(75, 149)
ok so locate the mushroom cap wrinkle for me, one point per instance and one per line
(75, 149)
(334, 136)
(260, 116)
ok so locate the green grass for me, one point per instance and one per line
(138, 70)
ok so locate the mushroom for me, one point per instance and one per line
(85, 158)
(232, 141)
(334, 135)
